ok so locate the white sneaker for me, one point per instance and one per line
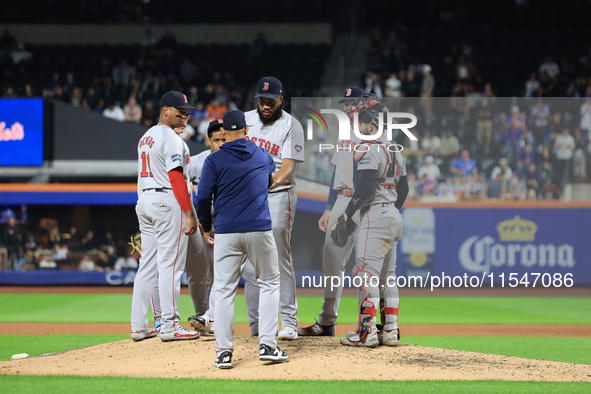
(145, 334)
(204, 323)
(388, 338)
(370, 340)
(288, 333)
(180, 333)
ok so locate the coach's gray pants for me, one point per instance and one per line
(282, 207)
(229, 251)
(199, 272)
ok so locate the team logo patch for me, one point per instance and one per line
(265, 85)
(298, 148)
(175, 157)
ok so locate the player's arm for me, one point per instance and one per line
(281, 176)
(332, 198)
(402, 190)
(362, 191)
(205, 195)
(179, 188)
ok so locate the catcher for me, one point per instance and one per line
(381, 192)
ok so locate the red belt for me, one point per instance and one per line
(346, 193)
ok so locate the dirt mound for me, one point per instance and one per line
(310, 359)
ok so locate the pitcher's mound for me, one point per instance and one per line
(309, 359)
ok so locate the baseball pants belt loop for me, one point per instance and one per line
(385, 204)
(159, 189)
(346, 193)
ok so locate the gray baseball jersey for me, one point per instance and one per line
(164, 245)
(283, 139)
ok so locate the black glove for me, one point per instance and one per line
(341, 230)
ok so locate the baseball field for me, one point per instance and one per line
(77, 340)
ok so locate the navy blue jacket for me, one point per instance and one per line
(238, 176)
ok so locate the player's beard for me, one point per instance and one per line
(274, 116)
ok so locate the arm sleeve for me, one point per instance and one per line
(402, 190)
(332, 193)
(179, 188)
(205, 195)
(362, 192)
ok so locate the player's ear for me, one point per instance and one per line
(246, 130)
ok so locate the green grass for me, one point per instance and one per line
(569, 350)
(116, 308)
(76, 385)
(35, 345)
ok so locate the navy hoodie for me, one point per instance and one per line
(238, 176)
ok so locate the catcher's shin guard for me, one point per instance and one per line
(366, 334)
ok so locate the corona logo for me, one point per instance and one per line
(517, 230)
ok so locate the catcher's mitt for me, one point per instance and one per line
(136, 243)
(341, 231)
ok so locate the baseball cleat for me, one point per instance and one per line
(388, 337)
(266, 353)
(145, 334)
(204, 323)
(370, 340)
(317, 330)
(224, 360)
(288, 333)
(181, 333)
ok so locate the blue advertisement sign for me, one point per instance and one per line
(545, 244)
(21, 132)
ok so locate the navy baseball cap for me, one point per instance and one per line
(214, 125)
(269, 87)
(352, 92)
(175, 99)
(234, 120)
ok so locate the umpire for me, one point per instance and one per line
(239, 175)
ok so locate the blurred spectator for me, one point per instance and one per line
(427, 87)
(12, 239)
(46, 260)
(74, 241)
(148, 39)
(27, 262)
(579, 160)
(516, 189)
(60, 254)
(125, 262)
(427, 187)
(89, 240)
(76, 99)
(114, 112)
(149, 114)
(484, 124)
(132, 111)
(86, 264)
(503, 169)
(104, 262)
(515, 126)
(411, 87)
(258, 46)
(526, 156)
(447, 191)
(122, 75)
(450, 145)
(463, 188)
(496, 188)
(531, 177)
(393, 86)
(55, 237)
(464, 167)
(549, 67)
(585, 112)
(430, 169)
(373, 84)
(216, 110)
(479, 187)
(30, 242)
(430, 144)
(564, 146)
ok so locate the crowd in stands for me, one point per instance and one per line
(47, 248)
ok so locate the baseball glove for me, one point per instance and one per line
(136, 243)
(341, 231)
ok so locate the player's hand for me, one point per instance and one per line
(323, 221)
(191, 223)
(209, 236)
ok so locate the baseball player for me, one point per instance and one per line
(380, 194)
(200, 254)
(239, 175)
(282, 135)
(342, 186)
(163, 159)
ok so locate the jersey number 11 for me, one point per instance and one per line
(146, 170)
